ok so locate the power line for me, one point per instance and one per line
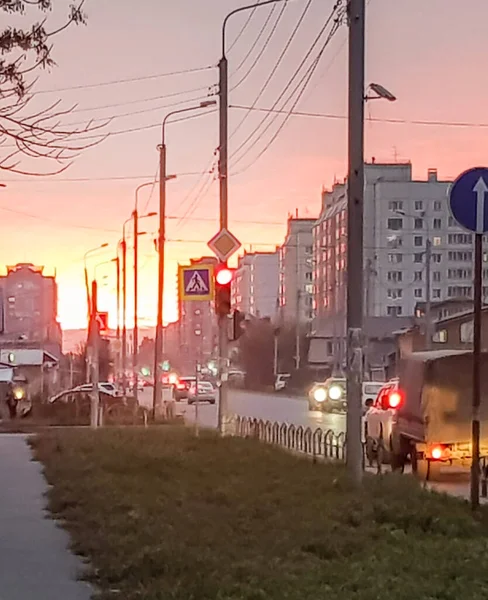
(261, 52)
(392, 121)
(243, 29)
(290, 82)
(305, 80)
(127, 80)
(277, 64)
(92, 179)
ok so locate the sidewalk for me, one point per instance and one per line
(35, 563)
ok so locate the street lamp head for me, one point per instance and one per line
(105, 245)
(381, 92)
(152, 214)
(207, 103)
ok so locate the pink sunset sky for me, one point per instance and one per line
(430, 53)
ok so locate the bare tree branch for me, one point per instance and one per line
(28, 133)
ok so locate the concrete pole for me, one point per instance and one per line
(95, 335)
(135, 349)
(428, 304)
(355, 275)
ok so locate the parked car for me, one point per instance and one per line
(206, 393)
(182, 388)
(281, 381)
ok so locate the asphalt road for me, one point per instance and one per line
(269, 407)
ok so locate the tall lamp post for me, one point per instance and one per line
(87, 283)
(163, 177)
(135, 349)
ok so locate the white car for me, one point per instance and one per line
(206, 393)
(281, 381)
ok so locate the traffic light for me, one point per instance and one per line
(223, 283)
(238, 324)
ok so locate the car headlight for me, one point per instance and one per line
(320, 394)
(335, 392)
(18, 394)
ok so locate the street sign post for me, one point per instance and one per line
(468, 201)
(196, 282)
(224, 244)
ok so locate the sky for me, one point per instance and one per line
(431, 55)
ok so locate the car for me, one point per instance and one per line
(329, 395)
(205, 393)
(371, 389)
(281, 381)
(182, 387)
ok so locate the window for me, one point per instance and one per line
(459, 291)
(419, 205)
(459, 238)
(395, 224)
(394, 241)
(437, 224)
(436, 258)
(437, 205)
(437, 241)
(308, 276)
(451, 222)
(395, 258)
(395, 294)
(459, 273)
(418, 240)
(395, 276)
(417, 292)
(436, 293)
(418, 276)
(309, 288)
(436, 276)
(418, 224)
(440, 337)
(395, 205)
(460, 256)
(308, 249)
(394, 311)
(418, 258)
(466, 332)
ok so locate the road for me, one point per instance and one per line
(281, 408)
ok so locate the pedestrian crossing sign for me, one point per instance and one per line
(196, 282)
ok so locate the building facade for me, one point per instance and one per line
(255, 287)
(296, 272)
(29, 300)
(198, 334)
(400, 215)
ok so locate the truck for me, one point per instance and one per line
(430, 424)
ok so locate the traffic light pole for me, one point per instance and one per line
(223, 188)
(355, 275)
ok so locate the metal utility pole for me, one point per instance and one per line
(117, 263)
(475, 424)
(135, 349)
(355, 200)
(124, 316)
(428, 305)
(224, 219)
(163, 178)
(95, 351)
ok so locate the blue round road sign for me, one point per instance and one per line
(468, 200)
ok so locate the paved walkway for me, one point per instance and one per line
(35, 563)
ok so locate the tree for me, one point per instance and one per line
(29, 130)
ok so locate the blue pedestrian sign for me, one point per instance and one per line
(196, 282)
(468, 200)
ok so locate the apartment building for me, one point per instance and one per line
(296, 271)
(400, 215)
(255, 288)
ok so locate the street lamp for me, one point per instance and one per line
(87, 285)
(136, 217)
(163, 177)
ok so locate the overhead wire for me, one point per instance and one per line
(261, 52)
(243, 29)
(256, 41)
(137, 79)
(291, 80)
(304, 81)
(276, 66)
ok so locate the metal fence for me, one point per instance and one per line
(315, 443)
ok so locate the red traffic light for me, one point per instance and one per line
(223, 276)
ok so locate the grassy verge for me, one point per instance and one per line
(162, 515)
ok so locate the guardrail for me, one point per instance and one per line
(315, 443)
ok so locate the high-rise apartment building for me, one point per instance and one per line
(296, 271)
(255, 287)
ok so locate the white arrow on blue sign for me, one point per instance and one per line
(468, 200)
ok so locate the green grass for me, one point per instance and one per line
(162, 515)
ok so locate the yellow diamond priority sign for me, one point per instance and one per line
(224, 244)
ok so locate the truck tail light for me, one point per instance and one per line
(438, 452)
(395, 399)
